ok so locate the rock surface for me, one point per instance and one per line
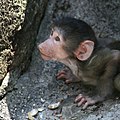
(12, 14)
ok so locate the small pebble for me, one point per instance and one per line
(54, 106)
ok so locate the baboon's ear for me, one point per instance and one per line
(85, 49)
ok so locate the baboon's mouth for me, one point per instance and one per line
(44, 56)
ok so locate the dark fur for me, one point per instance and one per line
(101, 68)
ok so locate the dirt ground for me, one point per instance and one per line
(38, 87)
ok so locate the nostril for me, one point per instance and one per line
(39, 47)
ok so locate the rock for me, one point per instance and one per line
(54, 106)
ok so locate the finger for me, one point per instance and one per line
(68, 81)
(62, 76)
(90, 102)
(61, 72)
(78, 98)
(85, 105)
(83, 100)
(66, 69)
